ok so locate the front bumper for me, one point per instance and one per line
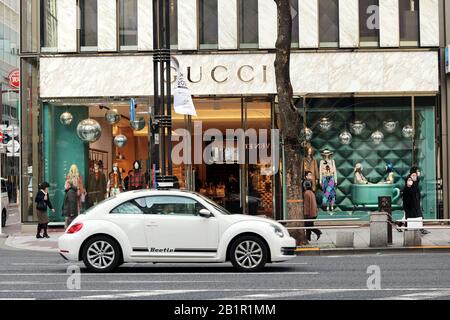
(284, 249)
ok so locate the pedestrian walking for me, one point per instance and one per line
(42, 204)
(70, 204)
(310, 209)
(410, 203)
(415, 176)
(9, 189)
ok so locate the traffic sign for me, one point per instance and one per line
(14, 79)
(13, 146)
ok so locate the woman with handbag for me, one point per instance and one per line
(42, 203)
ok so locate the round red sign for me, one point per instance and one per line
(14, 78)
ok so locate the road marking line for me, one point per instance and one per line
(17, 299)
(163, 274)
(40, 264)
(19, 282)
(133, 294)
(268, 296)
(419, 296)
(162, 281)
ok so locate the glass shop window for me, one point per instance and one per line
(128, 24)
(248, 24)
(328, 23)
(89, 35)
(369, 31)
(49, 23)
(409, 22)
(208, 24)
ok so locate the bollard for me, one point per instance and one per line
(344, 239)
(412, 238)
(378, 229)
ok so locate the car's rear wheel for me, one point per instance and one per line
(248, 253)
(4, 216)
(101, 254)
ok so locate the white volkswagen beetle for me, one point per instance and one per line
(172, 226)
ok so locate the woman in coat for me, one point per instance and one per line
(42, 203)
(70, 205)
(410, 200)
(310, 209)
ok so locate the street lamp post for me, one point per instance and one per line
(160, 117)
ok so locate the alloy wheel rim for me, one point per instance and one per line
(248, 254)
(101, 254)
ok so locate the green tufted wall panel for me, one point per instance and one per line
(394, 147)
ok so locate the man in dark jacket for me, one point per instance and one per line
(70, 206)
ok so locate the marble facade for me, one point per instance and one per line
(232, 74)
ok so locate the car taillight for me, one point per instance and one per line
(75, 228)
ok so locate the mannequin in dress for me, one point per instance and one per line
(359, 176)
(74, 179)
(328, 179)
(310, 164)
(390, 173)
(115, 183)
(137, 177)
(96, 186)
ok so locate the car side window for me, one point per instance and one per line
(172, 205)
(129, 207)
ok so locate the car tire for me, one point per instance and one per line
(248, 254)
(101, 254)
(4, 217)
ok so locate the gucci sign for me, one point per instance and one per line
(221, 74)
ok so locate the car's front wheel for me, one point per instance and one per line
(101, 254)
(248, 253)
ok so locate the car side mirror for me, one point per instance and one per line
(205, 213)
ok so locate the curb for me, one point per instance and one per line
(358, 251)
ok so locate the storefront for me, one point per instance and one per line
(239, 185)
(359, 114)
(385, 136)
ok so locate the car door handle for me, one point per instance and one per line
(152, 224)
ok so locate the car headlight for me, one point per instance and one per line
(278, 231)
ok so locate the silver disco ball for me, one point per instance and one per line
(137, 124)
(390, 126)
(325, 124)
(120, 140)
(306, 134)
(112, 116)
(377, 137)
(345, 137)
(357, 127)
(89, 130)
(66, 118)
(408, 131)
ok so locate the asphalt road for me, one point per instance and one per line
(33, 275)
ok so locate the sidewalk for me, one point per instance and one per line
(437, 240)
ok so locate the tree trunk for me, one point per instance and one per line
(290, 120)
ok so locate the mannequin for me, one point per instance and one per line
(310, 164)
(74, 178)
(328, 179)
(390, 173)
(137, 177)
(115, 182)
(96, 186)
(359, 176)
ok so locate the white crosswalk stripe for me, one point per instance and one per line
(419, 295)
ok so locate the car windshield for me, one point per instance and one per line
(215, 205)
